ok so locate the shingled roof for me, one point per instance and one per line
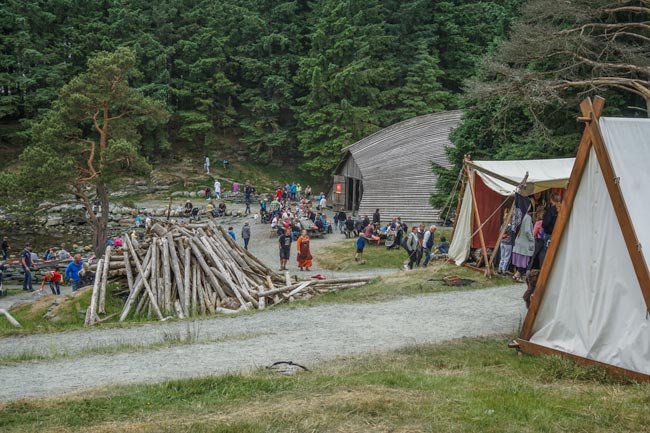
(395, 164)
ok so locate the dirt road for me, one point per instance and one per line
(303, 335)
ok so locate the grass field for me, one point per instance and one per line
(340, 256)
(411, 283)
(67, 315)
(469, 385)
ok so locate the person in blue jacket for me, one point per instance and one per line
(72, 271)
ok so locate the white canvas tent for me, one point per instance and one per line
(593, 293)
(504, 178)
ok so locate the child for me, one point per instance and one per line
(443, 246)
(507, 241)
(54, 278)
(231, 232)
(361, 242)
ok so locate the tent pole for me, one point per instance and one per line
(460, 198)
(477, 218)
(505, 223)
(501, 232)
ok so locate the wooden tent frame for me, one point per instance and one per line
(592, 137)
(468, 179)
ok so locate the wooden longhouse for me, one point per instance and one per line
(391, 169)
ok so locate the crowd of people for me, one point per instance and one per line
(525, 250)
(419, 242)
(77, 272)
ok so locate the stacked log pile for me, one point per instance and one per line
(187, 270)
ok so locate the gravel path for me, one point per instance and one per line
(303, 335)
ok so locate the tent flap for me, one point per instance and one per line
(543, 174)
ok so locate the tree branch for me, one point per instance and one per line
(643, 25)
(78, 192)
(99, 130)
(635, 9)
(628, 67)
(119, 116)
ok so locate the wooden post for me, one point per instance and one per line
(177, 271)
(10, 318)
(461, 195)
(167, 278)
(90, 313)
(186, 283)
(477, 218)
(129, 271)
(138, 266)
(104, 281)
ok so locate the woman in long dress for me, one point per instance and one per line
(524, 248)
(304, 254)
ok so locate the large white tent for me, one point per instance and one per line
(503, 178)
(593, 294)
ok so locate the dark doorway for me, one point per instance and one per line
(354, 194)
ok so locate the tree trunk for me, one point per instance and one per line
(100, 234)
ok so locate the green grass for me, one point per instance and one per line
(68, 315)
(469, 385)
(189, 336)
(340, 256)
(402, 284)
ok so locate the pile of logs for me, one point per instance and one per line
(186, 270)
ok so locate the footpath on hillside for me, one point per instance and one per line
(302, 335)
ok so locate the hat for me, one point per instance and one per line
(27, 244)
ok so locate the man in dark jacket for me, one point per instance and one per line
(548, 224)
(342, 219)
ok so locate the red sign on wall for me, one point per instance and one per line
(338, 187)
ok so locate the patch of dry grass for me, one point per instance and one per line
(469, 385)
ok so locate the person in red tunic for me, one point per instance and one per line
(54, 278)
(304, 255)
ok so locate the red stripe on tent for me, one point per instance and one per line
(488, 201)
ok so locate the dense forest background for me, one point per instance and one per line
(295, 81)
(272, 81)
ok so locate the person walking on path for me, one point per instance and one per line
(285, 249)
(27, 264)
(427, 244)
(217, 189)
(421, 233)
(304, 254)
(72, 271)
(54, 279)
(361, 243)
(5, 249)
(246, 234)
(412, 243)
(206, 164)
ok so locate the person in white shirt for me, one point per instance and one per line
(206, 164)
(323, 202)
(217, 189)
